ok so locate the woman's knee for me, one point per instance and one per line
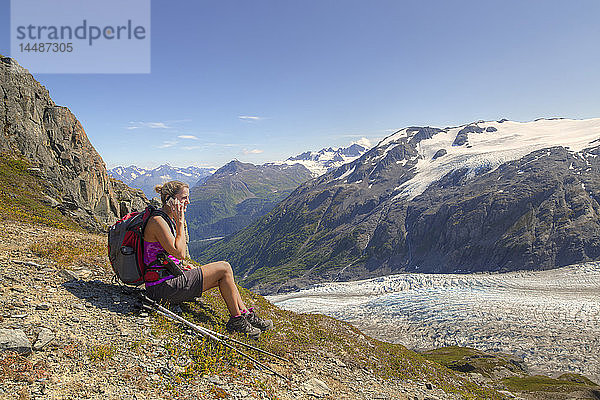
(222, 269)
(226, 267)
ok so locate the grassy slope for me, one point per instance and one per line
(21, 199)
(540, 383)
(476, 361)
(296, 336)
(301, 334)
(471, 360)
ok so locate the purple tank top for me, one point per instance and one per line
(151, 250)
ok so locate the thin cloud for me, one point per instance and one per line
(250, 118)
(167, 144)
(191, 147)
(254, 151)
(150, 125)
(192, 137)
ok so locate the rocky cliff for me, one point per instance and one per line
(52, 139)
(488, 196)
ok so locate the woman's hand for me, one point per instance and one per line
(178, 209)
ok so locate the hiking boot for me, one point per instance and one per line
(257, 322)
(240, 324)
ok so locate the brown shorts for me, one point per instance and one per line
(177, 290)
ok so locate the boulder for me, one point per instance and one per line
(14, 340)
(44, 337)
(315, 387)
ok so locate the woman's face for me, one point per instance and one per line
(184, 196)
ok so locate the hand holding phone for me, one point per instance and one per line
(177, 208)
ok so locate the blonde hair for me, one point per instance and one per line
(169, 189)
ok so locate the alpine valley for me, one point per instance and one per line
(228, 199)
(485, 196)
(236, 195)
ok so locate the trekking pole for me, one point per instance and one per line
(218, 334)
(169, 314)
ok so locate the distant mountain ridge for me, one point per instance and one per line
(147, 179)
(485, 196)
(317, 162)
(327, 159)
(237, 194)
(126, 174)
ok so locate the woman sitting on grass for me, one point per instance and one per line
(158, 238)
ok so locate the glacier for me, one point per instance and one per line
(550, 319)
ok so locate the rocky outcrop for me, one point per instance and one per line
(128, 199)
(54, 142)
(14, 340)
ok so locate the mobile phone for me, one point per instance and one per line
(172, 203)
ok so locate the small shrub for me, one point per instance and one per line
(101, 352)
(18, 368)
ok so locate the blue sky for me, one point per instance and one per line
(263, 80)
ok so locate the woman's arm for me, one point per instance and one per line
(159, 230)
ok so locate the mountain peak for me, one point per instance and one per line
(327, 159)
(234, 166)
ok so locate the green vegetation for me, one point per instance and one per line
(464, 359)
(540, 383)
(301, 334)
(572, 377)
(469, 360)
(20, 196)
(238, 194)
(101, 352)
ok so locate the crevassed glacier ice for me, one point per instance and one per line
(549, 318)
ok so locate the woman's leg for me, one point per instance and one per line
(220, 274)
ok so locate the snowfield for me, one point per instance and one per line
(506, 141)
(551, 319)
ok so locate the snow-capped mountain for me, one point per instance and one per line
(146, 179)
(126, 174)
(485, 196)
(324, 160)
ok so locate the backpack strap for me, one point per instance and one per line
(166, 218)
(152, 211)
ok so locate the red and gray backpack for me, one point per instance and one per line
(126, 245)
